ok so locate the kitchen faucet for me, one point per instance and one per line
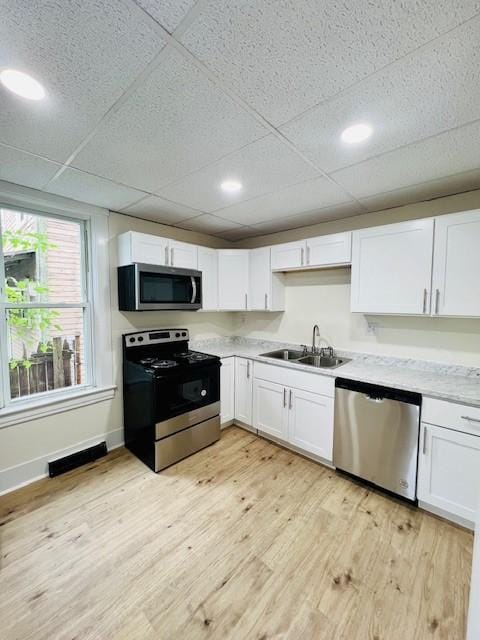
(316, 334)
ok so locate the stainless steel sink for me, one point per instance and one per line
(321, 362)
(283, 354)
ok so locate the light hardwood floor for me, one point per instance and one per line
(244, 540)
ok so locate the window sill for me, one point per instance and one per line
(43, 407)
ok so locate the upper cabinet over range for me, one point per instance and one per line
(145, 248)
(420, 267)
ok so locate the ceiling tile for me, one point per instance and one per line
(241, 233)
(169, 13)
(305, 196)
(458, 183)
(93, 190)
(430, 91)
(336, 212)
(25, 169)
(84, 52)
(208, 224)
(263, 166)
(176, 122)
(455, 151)
(160, 210)
(285, 56)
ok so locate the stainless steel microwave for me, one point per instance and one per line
(146, 287)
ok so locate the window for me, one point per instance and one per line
(45, 306)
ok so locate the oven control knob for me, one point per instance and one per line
(203, 393)
(177, 335)
(184, 334)
(140, 339)
(132, 340)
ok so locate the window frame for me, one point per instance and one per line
(98, 385)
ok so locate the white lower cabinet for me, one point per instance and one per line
(269, 408)
(296, 415)
(448, 471)
(243, 390)
(309, 418)
(227, 391)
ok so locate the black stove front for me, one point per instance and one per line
(171, 396)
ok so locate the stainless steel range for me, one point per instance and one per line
(171, 397)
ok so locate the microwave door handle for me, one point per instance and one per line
(194, 289)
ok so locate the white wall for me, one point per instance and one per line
(26, 447)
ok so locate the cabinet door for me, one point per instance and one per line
(233, 279)
(310, 422)
(148, 249)
(332, 249)
(288, 256)
(208, 265)
(270, 413)
(448, 470)
(243, 390)
(260, 280)
(456, 282)
(183, 255)
(227, 390)
(392, 268)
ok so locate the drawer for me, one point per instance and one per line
(453, 416)
(288, 377)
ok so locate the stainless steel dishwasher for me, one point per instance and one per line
(376, 435)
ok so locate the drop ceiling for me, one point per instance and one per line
(152, 104)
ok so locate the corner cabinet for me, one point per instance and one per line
(449, 460)
(456, 265)
(227, 391)
(266, 289)
(295, 407)
(233, 279)
(392, 267)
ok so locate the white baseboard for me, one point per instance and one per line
(463, 522)
(27, 472)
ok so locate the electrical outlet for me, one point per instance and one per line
(372, 328)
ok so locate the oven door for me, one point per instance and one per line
(186, 398)
(167, 288)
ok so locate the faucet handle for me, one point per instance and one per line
(327, 351)
(304, 349)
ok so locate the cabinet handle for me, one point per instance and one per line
(248, 368)
(284, 397)
(171, 256)
(425, 292)
(266, 301)
(290, 400)
(425, 440)
(437, 301)
(166, 255)
(301, 259)
(246, 301)
(470, 419)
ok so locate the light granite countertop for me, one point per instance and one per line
(436, 380)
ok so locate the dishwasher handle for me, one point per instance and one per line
(375, 391)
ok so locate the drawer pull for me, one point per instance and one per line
(469, 419)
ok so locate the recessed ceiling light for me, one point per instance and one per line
(22, 84)
(231, 186)
(357, 133)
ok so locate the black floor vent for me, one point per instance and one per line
(74, 460)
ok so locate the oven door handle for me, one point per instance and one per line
(194, 289)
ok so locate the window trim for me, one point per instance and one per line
(98, 352)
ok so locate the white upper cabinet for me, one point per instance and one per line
(392, 268)
(182, 254)
(233, 279)
(142, 247)
(266, 289)
(456, 265)
(288, 256)
(208, 265)
(329, 250)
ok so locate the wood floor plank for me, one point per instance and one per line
(243, 540)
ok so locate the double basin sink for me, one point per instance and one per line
(313, 360)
